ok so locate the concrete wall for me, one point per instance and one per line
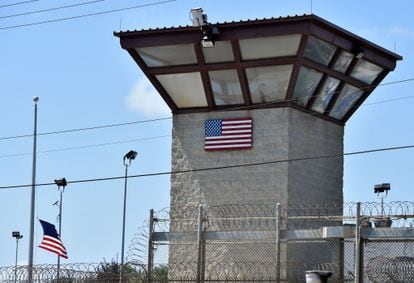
(317, 180)
(278, 134)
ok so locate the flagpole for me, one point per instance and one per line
(33, 195)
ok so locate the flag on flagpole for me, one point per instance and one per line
(51, 240)
(223, 134)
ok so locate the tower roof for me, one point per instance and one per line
(304, 62)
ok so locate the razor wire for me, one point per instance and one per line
(384, 260)
(73, 272)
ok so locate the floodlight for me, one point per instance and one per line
(358, 52)
(130, 155)
(61, 182)
(381, 188)
(207, 40)
(209, 36)
(16, 234)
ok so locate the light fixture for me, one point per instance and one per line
(129, 157)
(209, 36)
(61, 182)
(382, 221)
(207, 40)
(381, 188)
(16, 234)
(358, 51)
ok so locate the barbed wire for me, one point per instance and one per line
(386, 260)
(86, 272)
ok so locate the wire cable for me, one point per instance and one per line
(84, 146)
(17, 3)
(86, 128)
(217, 168)
(390, 100)
(231, 108)
(51, 9)
(87, 15)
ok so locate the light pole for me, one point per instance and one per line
(61, 183)
(16, 234)
(33, 195)
(127, 162)
(380, 190)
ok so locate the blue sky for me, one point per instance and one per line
(85, 79)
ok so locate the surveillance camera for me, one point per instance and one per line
(36, 99)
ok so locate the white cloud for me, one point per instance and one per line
(144, 98)
(402, 31)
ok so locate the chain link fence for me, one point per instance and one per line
(253, 243)
(369, 242)
(74, 272)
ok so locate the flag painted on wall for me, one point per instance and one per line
(226, 134)
(51, 240)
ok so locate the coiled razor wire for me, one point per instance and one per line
(391, 269)
(71, 272)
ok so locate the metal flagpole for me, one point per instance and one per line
(32, 202)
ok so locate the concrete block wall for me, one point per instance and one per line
(278, 134)
(318, 180)
(253, 184)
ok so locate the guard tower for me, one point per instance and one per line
(262, 93)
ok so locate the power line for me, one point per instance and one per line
(17, 3)
(216, 168)
(50, 9)
(231, 108)
(84, 146)
(390, 100)
(133, 140)
(85, 129)
(86, 15)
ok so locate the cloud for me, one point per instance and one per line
(144, 98)
(397, 30)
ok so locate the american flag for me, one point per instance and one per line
(223, 134)
(51, 240)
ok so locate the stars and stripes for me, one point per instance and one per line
(51, 240)
(223, 134)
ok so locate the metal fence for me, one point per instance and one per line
(369, 242)
(74, 273)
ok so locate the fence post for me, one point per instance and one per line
(277, 240)
(357, 259)
(150, 246)
(200, 243)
